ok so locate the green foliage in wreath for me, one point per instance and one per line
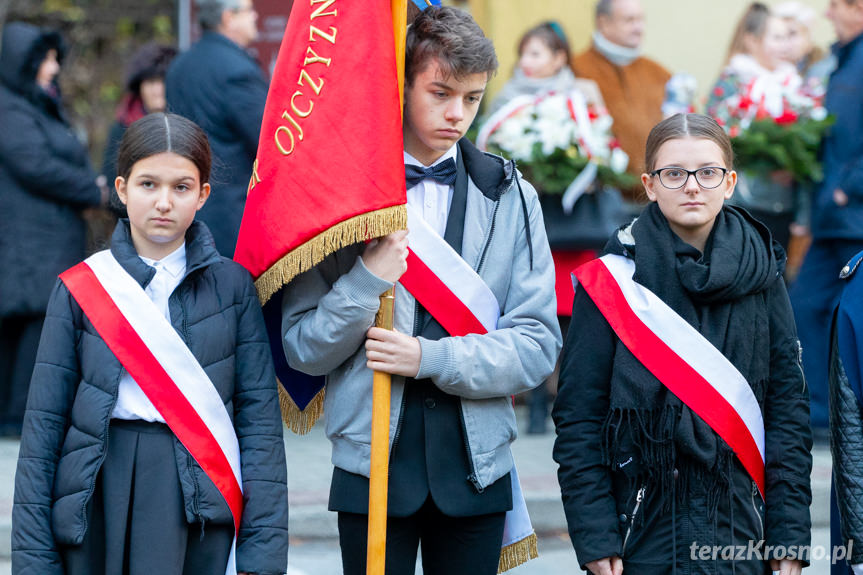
(767, 145)
(552, 174)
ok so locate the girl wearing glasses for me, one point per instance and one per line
(682, 415)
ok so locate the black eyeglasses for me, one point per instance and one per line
(708, 177)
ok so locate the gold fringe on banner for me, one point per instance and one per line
(300, 422)
(518, 553)
(354, 230)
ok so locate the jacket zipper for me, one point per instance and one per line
(755, 507)
(639, 497)
(488, 240)
(185, 326)
(799, 363)
(190, 462)
(196, 504)
(474, 480)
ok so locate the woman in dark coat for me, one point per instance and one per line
(649, 487)
(45, 182)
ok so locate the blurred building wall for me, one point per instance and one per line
(683, 35)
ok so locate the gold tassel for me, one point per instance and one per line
(518, 553)
(300, 422)
(304, 257)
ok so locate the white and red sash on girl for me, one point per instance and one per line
(168, 373)
(457, 297)
(680, 357)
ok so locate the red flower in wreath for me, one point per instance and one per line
(788, 117)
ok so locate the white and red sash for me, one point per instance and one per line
(445, 285)
(458, 298)
(680, 357)
(168, 373)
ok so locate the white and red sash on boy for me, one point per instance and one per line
(680, 357)
(168, 373)
(458, 298)
(446, 286)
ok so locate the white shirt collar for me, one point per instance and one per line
(451, 153)
(174, 263)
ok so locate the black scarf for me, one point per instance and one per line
(722, 294)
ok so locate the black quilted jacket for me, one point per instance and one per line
(74, 388)
(846, 417)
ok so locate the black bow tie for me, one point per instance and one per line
(442, 173)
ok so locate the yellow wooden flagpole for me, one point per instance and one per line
(381, 383)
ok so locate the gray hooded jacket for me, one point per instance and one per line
(327, 311)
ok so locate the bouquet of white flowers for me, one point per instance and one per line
(560, 143)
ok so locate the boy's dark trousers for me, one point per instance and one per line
(450, 545)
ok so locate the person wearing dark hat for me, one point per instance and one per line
(145, 94)
(45, 182)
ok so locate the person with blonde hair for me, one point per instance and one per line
(800, 18)
(757, 69)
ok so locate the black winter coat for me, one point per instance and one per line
(846, 412)
(605, 512)
(74, 389)
(45, 179)
(217, 85)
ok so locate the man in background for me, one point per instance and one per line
(220, 87)
(632, 86)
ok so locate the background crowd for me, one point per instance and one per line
(773, 70)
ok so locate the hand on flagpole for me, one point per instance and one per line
(386, 257)
(392, 352)
(606, 566)
(786, 566)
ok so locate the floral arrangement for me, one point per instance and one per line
(553, 138)
(776, 129)
(680, 93)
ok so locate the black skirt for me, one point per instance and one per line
(136, 523)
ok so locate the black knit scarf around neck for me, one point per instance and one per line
(721, 294)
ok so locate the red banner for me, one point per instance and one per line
(329, 170)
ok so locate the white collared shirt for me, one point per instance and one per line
(430, 198)
(170, 271)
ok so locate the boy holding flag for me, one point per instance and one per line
(474, 317)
